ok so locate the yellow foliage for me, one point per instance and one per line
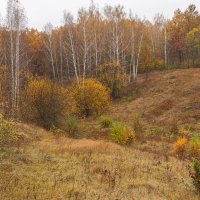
(34, 40)
(44, 103)
(180, 146)
(90, 97)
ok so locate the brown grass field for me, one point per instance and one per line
(46, 166)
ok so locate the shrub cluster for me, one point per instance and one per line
(51, 106)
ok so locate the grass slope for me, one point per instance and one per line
(164, 97)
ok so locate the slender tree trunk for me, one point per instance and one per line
(12, 69)
(73, 55)
(165, 45)
(61, 60)
(51, 56)
(138, 56)
(96, 51)
(85, 52)
(17, 86)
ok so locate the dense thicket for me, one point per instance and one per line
(92, 39)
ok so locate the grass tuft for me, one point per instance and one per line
(106, 122)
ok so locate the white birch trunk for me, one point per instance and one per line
(138, 57)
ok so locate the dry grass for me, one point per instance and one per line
(62, 168)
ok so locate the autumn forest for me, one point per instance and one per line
(94, 38)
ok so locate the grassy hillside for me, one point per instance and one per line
(162, 97)
(45, 165)
(61, 168)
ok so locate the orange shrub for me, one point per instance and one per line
(90, 97)
(44, 103)
(180, 147)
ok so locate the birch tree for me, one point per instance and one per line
(68, 19)
(83, 22)
(49, 43)
(15, 23)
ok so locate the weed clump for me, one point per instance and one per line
(106, 122)
(122, 134)
(70, 125)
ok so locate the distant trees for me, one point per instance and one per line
(34, 46)
(193, 39)
(181, 51)
(94, 39)
(138, 45)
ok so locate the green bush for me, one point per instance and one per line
(122, 134)
(196, 174)
(106, 122)
(71, 126)
(44, 103)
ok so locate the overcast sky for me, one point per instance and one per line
(39, 12)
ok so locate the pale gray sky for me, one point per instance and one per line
(39, 12)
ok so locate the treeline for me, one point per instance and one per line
(94, 38)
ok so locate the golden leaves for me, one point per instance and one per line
(91, 97)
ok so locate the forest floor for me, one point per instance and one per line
(48, 166)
